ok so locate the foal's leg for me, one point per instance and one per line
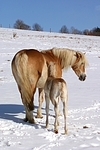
(41, 99)
(65, 113)
(56, 108)
(47, 99)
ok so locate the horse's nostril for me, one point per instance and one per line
(82, 77)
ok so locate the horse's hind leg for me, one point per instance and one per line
(29, 116)
(41, 99)
(28, 107)
(29, 111)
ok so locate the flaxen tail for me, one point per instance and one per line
(20, 72)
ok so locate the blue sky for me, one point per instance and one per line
(81, 14)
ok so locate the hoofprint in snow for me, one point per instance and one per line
(83, 97)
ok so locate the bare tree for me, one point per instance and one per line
(86, 32)
(75, 31)
(72, 30)
(19, 24)
(64, 29)
(37, 27)
(96, 31)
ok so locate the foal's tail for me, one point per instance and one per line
(20, 72)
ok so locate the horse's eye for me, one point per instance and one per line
(82, 63)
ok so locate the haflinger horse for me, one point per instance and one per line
(30, 70)
(55, 89)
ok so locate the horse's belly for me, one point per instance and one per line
(41, 82)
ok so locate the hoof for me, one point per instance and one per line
(46, 126)
(66, 131)
(25, 119)
(56, 131)
(32, 121)
(39, 116)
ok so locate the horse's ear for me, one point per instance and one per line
(78, 55)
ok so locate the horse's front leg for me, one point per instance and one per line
(41, 99)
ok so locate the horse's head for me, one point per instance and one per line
(79, 65)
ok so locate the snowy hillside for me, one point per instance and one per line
(83, 97)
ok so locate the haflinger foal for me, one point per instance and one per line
(56, 89)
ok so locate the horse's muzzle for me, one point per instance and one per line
(82, 77)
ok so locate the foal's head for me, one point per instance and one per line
(80, 65)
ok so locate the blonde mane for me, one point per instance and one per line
(68, 57)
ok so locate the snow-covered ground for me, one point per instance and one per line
(83, 100)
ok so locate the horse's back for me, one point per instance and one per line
(33, 56)
(29, 65)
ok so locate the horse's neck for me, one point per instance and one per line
(67, 58)
(72, 57)
(51, 69)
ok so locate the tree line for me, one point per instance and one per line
(19, 24)
(95, 31)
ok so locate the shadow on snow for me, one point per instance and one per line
(12, 111)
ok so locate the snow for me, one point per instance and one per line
(83, 97)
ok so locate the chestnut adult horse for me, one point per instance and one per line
(30, 70)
